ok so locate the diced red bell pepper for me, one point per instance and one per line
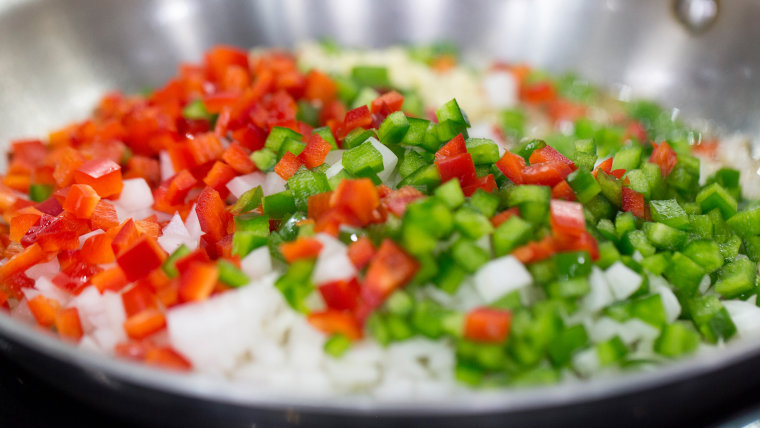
(97, 250)
(454, 147)
(250, 136)
(149, 226)
(359, 117)
(458, 166)
(197, 282)
(103, 175)
(320, 86)
(220, 58)
(66, 162)
(197, 256)
(144, 323)
(567, 218)
(22, 261)
(318, 204)
(75, 277)
(55, 233)
(204, 148)
(584, 242)
(546, 173)
(137, 299)
(301, 248)
(536, 251)
(664, 156)
(68, 325)
(218, 176)
(167, 358)
(144, 167)
(487, 325)
(397, 200)
(633, 201)
(563, 191)
(50, 206)
(512, 165)
(237, 157)
(104, 216)
(389, 102)
(112, 279)
(503, 216)
(212, 214)
(390, 269)
(123, 236)
(637, 130)
(81, 201)
(549, 154)
(359, 197)
(536, 93)
(341, 294)
(315, 152)
(287, 166)
(486, 182)
(28, 152)
(22, 221)
(141, 258)
(605, 166)
(361, 251)
(44, 310)
(336, 322)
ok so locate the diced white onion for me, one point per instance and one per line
(175, 234)
(257, 263)
(47, 269)
(599, 295)
(333, 262)
(86, 236)
(389, 159)
(623, 281)
(745, 316)
(165, 165)
(273, 184)
(336, 168)
(243, 183)
(193, 225)
(500, 89)
(135, 196)
(500, 276)
(669, 300)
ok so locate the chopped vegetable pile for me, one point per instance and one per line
(384, 219)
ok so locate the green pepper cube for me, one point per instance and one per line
(337, 345)
(584, 185)
(639, 182)
(715, 196)
(468, 255)
(393, 128)
(471, 223)
(611, 351)
(663, 236)
(570, 340)
(486, 203)
(363, 157)
(170, 264)
(670, 213)
(40, 192)
(745, 223)
(482, 150)
(278, 135)
(264, 159)
(736, 278)
(706, 253)
(279, 205)
(451, 112)
(684, 273)
(450, 193)
(295, 285)
(612, 188)
(369, 75)
(511, 234)
(229, 274)
(627, 158)
(526, 148)
(676, 339)
(327, 135)
(450, 275)
(196, 110)
(356, 137)
(306, 183)
(711, 318)
(248, 201)
(415, 135)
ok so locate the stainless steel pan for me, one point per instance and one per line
(58, 56)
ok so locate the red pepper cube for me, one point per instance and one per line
(218, 177)
(454, 147)
(103, 175)
(633, 201)
(664, 156)
(360, 252)
(43, 309)
(334, 322)
(68, 325)
(287, 166)
(197, 282)
(486, 182)
(212, 214)
(390, 269)
(301, 248)
(81, 201)
(567, 218)
(389, 102)
(550, 154)
(359, 197)
(487, 325)
(167, 358)
(512, 165)
(144, 323)
(341, 294)
(548, 173)
(236, 156)
(458, 166)
(320, 86)
(315, 152)
(179, 186)
(141, 258)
